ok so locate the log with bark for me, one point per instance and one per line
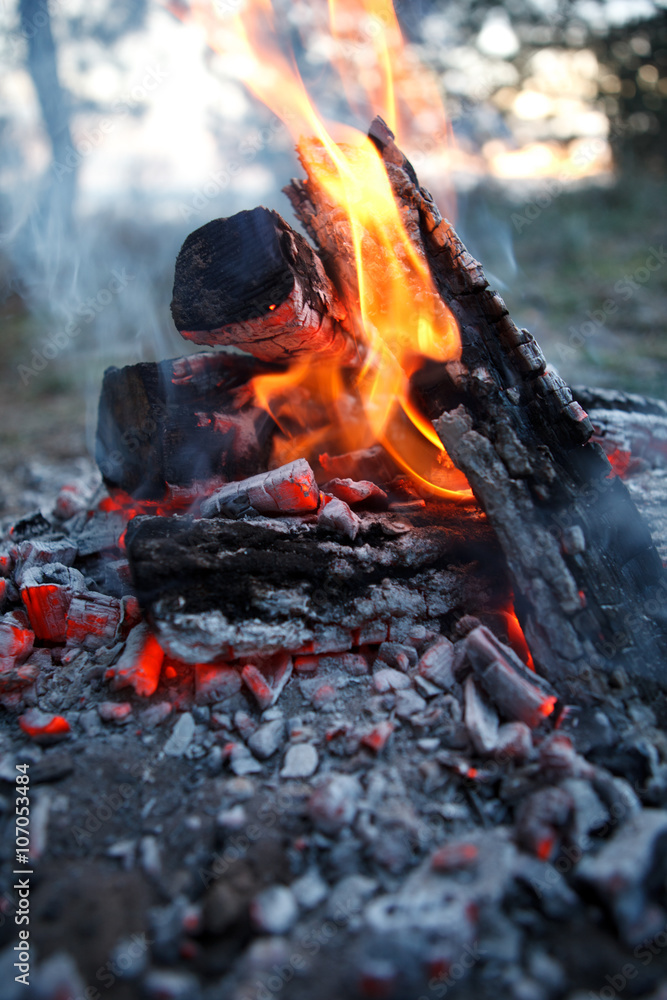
(589, 585)
(252, 281)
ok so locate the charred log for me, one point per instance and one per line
(589, 584)
(179, 422)
(252, 281)
(222, 589)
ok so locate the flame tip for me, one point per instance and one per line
(395, 313)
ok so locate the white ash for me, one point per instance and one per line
(300, 761)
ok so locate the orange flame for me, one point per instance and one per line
(395, 312)
(379, 75)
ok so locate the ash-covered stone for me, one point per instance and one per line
(181, 736)
(628, 870)
(168, 984)
(310, 889)
(436, 664)
(215, 683)
(481, 720)
(267, 739)
(45, 727)
(275, 910)
(290, 489)
(387, 679)
(542, 819)
(398, 655)
(241, 761)
(409, 704)
(333, 805)
(119, 712)
(57, 976)
(300, 761)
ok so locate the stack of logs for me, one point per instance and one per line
(589, 588)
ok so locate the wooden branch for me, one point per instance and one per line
(181, 421)
(589, 585)
(252, 281)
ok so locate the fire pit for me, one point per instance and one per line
(360, 639)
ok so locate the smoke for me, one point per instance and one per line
(118, 139)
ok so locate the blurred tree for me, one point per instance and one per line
(43, 223)
(633, 82)
(35, 20)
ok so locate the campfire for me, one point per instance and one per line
(377, 493)
(404, 432)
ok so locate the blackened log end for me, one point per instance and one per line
(231, 270)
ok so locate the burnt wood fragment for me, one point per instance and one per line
(290, 489)
(513, 428)
(252, 281)
(179, 422)
(221, 589)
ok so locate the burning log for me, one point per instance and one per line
(589, 585)
(252, 281)
(180, 421)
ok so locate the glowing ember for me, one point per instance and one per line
(452, 857)
(44, 728)
(548, 705)
(47, 606)
(376, 739)
(140, 663)
(544, 848)
(620, 461)
(396, 316)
